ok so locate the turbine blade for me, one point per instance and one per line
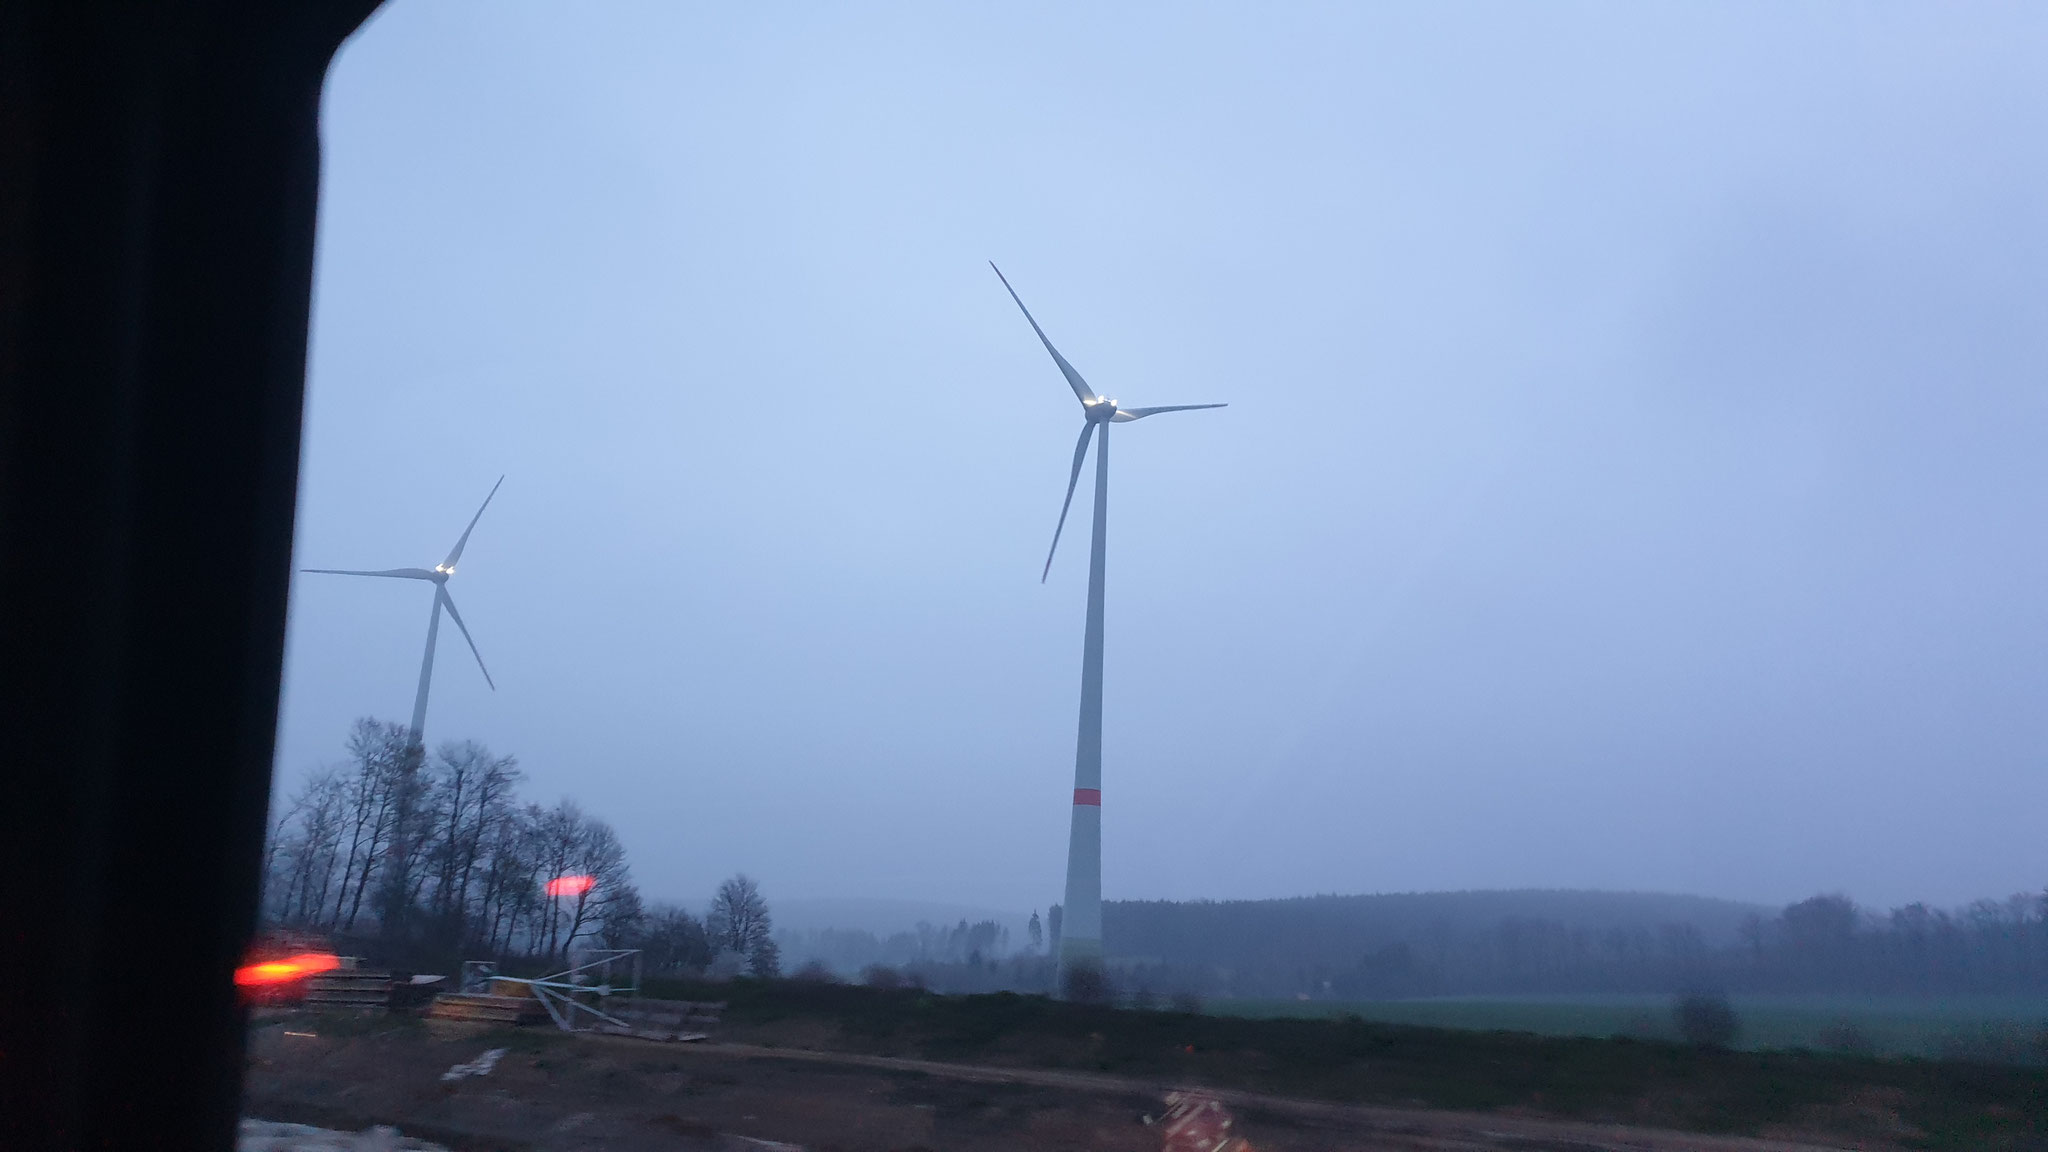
(1080, 451)
(400, 573)
(455, 553)
(1074, 380)
(1126, 415)
(448, 602)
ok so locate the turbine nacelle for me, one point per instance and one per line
(438, 576)
(1096, 410)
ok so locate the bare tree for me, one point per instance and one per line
(672, 939)
(379, 752)
(765, 960)
(575, 846)
(530, 862)
(492, 806)
(512, 877)
(621, 918)
(406, 867)
(601, 859)
(442, 855)
(560, 835)
(739, 920)
(470, 793)
(304, 851)
(276, 896)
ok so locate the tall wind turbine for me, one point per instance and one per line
(1081, 923)
(437, 575)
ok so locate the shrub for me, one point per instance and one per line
(726, 965)
(1705, 1020)
(815, 972)
(881, 976)
(1843, 1036)
(1643, 1026)
(1997, 1042)
(1085, 984)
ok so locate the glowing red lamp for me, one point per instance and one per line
(571, 885)
(287, 970)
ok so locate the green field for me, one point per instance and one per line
(1995, 1028)
(1822, 1097)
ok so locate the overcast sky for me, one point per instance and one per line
(1632, 475)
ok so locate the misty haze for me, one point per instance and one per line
(1623, 493)
(1615, 593)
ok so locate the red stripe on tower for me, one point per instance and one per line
(1089, 796)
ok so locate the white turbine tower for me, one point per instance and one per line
(1081, 923)
(437, 575)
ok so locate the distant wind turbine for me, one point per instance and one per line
(1081, 927)
(437, 575)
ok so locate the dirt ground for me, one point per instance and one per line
(550, 1091)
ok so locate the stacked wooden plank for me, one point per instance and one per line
(667, 1020)
(504, 986)
(361, 988)
(486, 1008)
(416, 993)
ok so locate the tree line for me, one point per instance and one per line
(429, 859)
(1828, 944)
(1506, 943)
(1486, 943)
(849, 951)
(1494, 943)
(436, 853)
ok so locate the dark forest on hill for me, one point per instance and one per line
(1540, 942)
(1488, 943)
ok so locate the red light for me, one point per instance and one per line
(287, 970)
(571, 885)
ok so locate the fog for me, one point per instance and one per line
(1630, 478)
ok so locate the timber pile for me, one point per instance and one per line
(363, 988)
(667, 1020)
(416, 993)
(485, 1007)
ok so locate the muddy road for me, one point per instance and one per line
(549, 1091)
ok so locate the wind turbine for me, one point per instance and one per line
(1081, 923)
(437, 575)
